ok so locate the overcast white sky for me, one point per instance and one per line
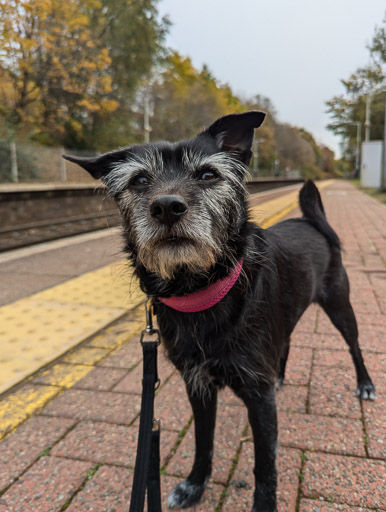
(293, 51)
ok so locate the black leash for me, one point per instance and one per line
(147, 464)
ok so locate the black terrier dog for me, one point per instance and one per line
(228, 294)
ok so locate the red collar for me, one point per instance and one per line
(204, 299)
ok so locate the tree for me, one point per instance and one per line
(134, 35)
(327, 161)
(297, 149)
(294, 150)
(378, 45)
(54, 72)
(348, 109)
(187, 100)
(267, 147)
(67, 66)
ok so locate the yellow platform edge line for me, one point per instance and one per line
(24, 403)
(31, 398)
(275, 218)
(38, 329)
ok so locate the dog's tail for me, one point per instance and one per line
(312, 208)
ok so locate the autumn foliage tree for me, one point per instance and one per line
(267, 143)
(298, 150)
(186, 100)
(76, 73)
(134, 34)
(54, 74)
(66, 66)
(349, 108)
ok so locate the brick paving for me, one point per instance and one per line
(77, 453)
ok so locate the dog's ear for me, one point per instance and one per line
(101, 165)
(234, 133)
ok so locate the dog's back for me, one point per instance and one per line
(307, 256)
(313, 215)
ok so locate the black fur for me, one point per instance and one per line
(243, 341)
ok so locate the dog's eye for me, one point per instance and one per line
(207, 175)
(140, 181)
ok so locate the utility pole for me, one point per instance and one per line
(357, 154)
(256, 156)
(383, 174)
(146, 115)
(14, 169)
(367, 122)
(63, 167)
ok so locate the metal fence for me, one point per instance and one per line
(26, 163)
(22, 162)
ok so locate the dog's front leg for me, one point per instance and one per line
(189, 492)
(262, 418)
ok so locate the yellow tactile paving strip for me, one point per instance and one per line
(44, 385)
(38, 329)
(112, 286)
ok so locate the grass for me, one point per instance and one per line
(376, 193)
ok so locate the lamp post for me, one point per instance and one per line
(256, 156)
(367, 121)
(383, 172)
(148, 106)
(146, 116)
(358, 150)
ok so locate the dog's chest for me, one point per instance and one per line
(208, 355)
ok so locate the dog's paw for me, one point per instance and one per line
(366, 391)
(185, 494)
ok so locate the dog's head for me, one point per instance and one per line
(181, 202)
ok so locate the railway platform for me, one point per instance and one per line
(70, 378)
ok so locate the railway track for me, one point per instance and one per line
(45, 231)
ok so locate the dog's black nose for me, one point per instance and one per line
(168, 209)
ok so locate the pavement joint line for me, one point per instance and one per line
(332, 452)
(91, 472)
(232, 469)
(45, 452)
(316, 325)
(162, 384)
(308, 397)
(111, 464)
(364, 429)
(300, 477)
(181, 434)
(15, 403)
